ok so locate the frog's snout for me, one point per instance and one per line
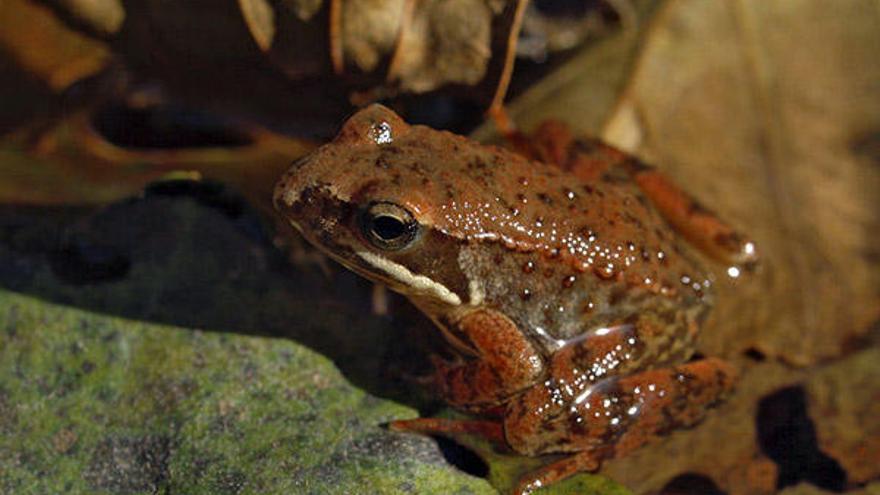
(289, 188)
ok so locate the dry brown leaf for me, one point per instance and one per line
(807, 489)
(448, 41)
(762, 110)
(739, 468)
(75, 164)
(583, 91)
(841, 402)
(260, 19)
(102, 18)
(370, 31)
(844, 402)
(45, 48)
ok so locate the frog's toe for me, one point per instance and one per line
(557, 471)
(490, 430)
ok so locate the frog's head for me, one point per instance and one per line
(365, 199)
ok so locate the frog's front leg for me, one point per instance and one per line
(611, 418)
(506, 363)
(591, 160)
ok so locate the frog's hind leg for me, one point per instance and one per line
(700, 226)
(592, 160)
(615, 417)
(583, 462)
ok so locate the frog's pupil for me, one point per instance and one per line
(388, 228)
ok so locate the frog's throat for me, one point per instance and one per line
(402, 274)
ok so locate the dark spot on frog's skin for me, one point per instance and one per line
(729, 240)
(528, 266)
(382, 162)
(365, 190)
(548, 273)
(425, 181)
(484, 181)
(503, 202)
(588, 189)
(617, 296)
(678, 250)
(586, 145)
(526, 294)
(636, 166)
(695, 208)
(634, 220)
(523, 181)
(498, 259)
(610, 178)
(549, 317)
(568, 281)
(477, 163)
(522, 198)
(544, 198)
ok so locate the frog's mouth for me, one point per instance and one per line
(380, 269)
(401, 279)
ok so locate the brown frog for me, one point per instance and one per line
(569, 292)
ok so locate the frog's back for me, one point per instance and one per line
(569, 256)
(488, 194)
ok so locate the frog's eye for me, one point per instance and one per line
(389, 226)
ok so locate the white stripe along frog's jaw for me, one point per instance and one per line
(416, 283)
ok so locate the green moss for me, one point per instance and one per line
(102, 404)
